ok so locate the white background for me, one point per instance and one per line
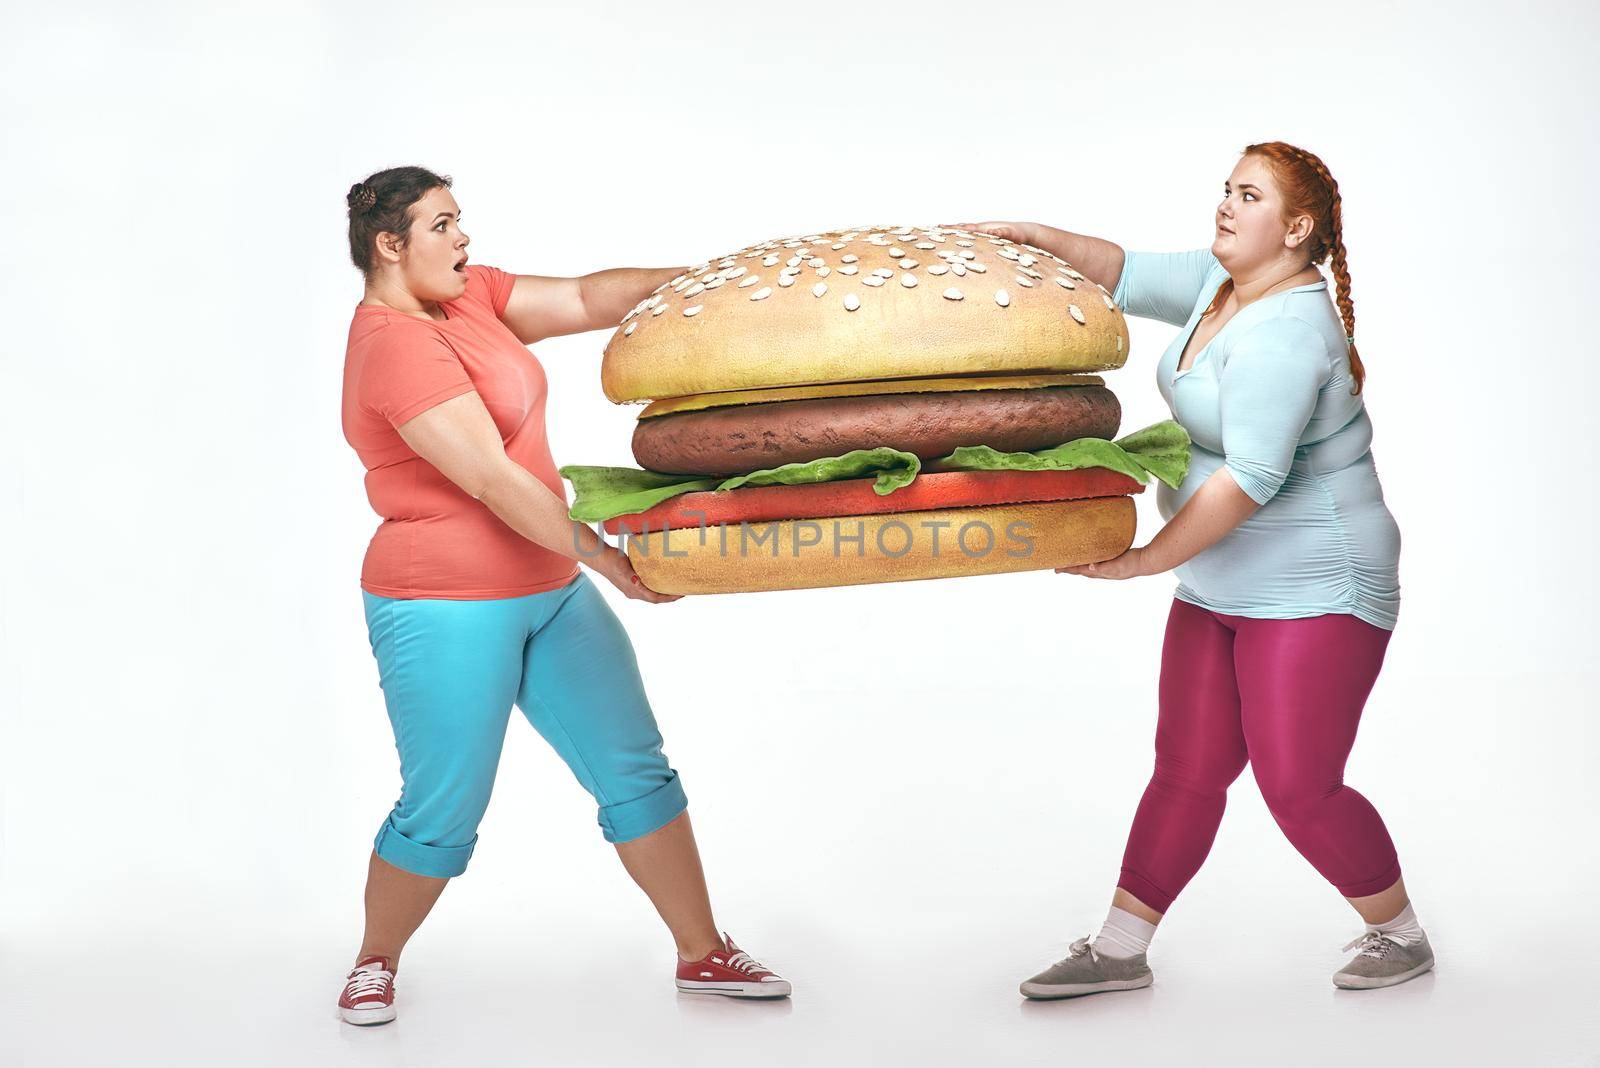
(909, 797)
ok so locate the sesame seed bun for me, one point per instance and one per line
(860, 305)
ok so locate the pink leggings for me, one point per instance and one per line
(1283, 695)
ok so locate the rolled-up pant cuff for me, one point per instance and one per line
(1376, 885)
(440, 862)
(1148, 893)
(628, 820)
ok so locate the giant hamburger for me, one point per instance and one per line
(871, 405)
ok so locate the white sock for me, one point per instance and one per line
(1124, 935)
(1403, 926)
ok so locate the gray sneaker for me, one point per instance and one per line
(1383, 960)
(1087, 972)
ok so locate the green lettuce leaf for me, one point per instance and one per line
(601, 493)
(1162, 450)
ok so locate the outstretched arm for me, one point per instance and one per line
(1099, 260)
(542, 307)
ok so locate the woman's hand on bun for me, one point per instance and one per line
(1023, 233)
(1130, 564)
(614, 564)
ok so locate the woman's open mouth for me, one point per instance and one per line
(461, 265)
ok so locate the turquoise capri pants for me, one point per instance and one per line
(450, 672)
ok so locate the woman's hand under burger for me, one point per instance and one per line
(1023, 233)
(614, 564)
(1130, 564)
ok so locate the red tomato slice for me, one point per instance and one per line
(824, 500)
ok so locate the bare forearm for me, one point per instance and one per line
(1099, 260)
(530, 508)
(1216, 508)
(607, 295)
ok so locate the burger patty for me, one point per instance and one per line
(738, 439)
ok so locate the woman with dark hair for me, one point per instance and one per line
(1288, 563)
(473, 598)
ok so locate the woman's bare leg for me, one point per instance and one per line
(1384, 906)
(1376, 908)
(666, 865)
(1128, 903)
(397, 902)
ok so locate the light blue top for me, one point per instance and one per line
(1269, 398)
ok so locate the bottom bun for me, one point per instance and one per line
(798, 554)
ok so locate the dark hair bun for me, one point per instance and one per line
(361, 197)
(384, 202)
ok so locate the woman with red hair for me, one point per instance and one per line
(1287, 559)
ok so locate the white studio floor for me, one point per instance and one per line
(904, 901)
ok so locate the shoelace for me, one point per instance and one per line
(367, 982)
(1079, 948)
(744, 962)
(1375, 944)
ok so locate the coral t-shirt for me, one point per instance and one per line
(436, 540)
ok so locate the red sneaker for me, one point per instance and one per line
(368, 996)
(733, 972)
